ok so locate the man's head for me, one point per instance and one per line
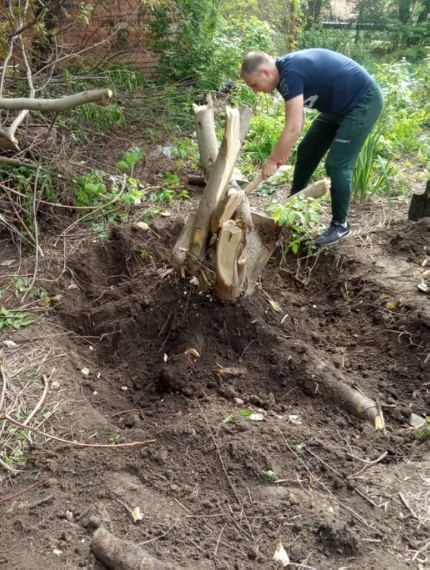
(259, 72)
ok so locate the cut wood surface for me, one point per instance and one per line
(226, 208)
(228, 279)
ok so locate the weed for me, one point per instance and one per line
(144, 255)
(130, 158)
(21, 285)
(164, 195)
(114, 439)
(14, 319)
(302, 218)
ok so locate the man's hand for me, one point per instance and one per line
(269, 169)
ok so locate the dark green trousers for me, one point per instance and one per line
(342, 136)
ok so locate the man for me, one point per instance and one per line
(349, 101)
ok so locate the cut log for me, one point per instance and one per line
(420, 205)
(206, 136)
(121, 554)
(229, 267)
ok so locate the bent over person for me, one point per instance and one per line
(349, 102)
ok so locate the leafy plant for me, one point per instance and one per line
(21, 285)
(302, 218)
(130, 158)
(270, 475)
(144, 255)
(13, 319)
(366, 178)
(114, 439)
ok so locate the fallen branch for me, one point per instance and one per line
(62, 104)
(76, 443)
(368, 464)
(121, 554)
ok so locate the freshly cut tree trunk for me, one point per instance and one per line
(206, 137)
(229, 277)
(216, 187)
(226, 208)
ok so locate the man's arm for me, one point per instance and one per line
(294, 115)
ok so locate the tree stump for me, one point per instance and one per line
(420, 205)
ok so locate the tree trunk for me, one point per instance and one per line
(216, 187)
(206, 137)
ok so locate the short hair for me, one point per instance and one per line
(253, 61)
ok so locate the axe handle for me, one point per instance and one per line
(253, 185)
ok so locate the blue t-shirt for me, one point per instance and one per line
(330, 82)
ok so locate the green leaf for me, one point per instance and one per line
(228, 420)
(245, 413)
(122, 165)
(270, 475)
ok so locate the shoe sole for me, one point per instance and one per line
(335, 242)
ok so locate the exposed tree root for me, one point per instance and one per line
(121, 554)
(320, 378)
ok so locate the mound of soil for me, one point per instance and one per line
(243, 456)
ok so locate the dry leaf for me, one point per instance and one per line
(256, 417)
(295, 420)
(275, 305)
(136, 514)
(192, 352)
(141, 226)
(281, 555)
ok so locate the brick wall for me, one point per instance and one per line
(116, 32)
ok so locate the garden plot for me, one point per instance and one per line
(234, 450)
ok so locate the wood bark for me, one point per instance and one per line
(181, 247)
(216, 186)
(206, 137)
(324, 380)
(57, 105)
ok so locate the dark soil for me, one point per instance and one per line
(204, 486)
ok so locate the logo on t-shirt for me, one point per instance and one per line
(310, 101)
(283, 88)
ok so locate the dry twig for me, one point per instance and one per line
(76, 443)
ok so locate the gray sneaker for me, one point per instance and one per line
(334, 233)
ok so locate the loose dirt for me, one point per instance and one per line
(218, 488)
